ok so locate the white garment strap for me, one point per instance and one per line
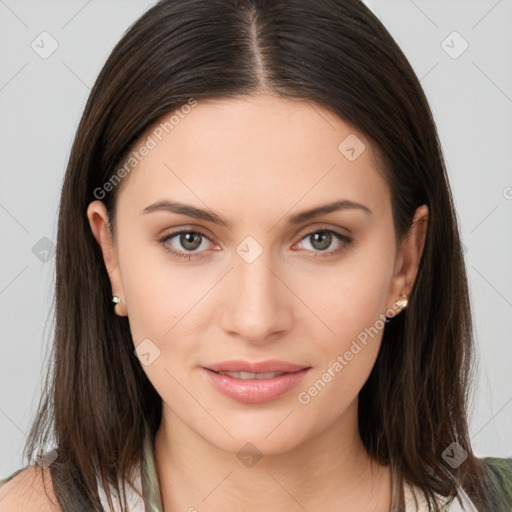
(468, 505)
(461, 503)
(134, 501)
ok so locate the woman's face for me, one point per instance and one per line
(253, 278)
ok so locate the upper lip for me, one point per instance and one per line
(269, 366)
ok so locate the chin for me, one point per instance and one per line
(269, 434)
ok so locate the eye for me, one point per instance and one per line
(322, 239)
(189, 243)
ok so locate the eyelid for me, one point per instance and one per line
(323, 227)
(186, 229)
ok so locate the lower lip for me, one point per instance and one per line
(255, 391)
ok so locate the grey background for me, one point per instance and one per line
(41, 101)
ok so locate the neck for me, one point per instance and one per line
(329, 471)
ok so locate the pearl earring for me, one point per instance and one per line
(402, 303)
(117, 301)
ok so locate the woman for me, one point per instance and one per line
(258, 188)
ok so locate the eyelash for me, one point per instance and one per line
(193, 255)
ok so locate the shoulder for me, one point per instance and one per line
(29, 488)
(500, 468)
(500, 474)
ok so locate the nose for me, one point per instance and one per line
(259, 304)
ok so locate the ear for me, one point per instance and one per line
(100, 226)
(409, 257)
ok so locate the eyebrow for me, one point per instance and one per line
(197, 213)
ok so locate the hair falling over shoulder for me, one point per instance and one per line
(98, 401)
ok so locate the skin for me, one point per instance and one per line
(255, 161)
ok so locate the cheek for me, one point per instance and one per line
(351, 299)
(347, 356)
(157, 293)
(160, 301)
(158, 298)
(352, 295)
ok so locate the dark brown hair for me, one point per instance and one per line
(337, 54)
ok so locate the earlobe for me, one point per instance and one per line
(100, 226)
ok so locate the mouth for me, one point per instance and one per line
(249, 375)
(241, 381)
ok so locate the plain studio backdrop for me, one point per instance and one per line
(51, 54)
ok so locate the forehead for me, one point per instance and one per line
(256, 151)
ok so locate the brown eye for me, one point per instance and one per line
(186, 244)
(190, 241)
(321, 240)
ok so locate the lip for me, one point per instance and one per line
(255, 391)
